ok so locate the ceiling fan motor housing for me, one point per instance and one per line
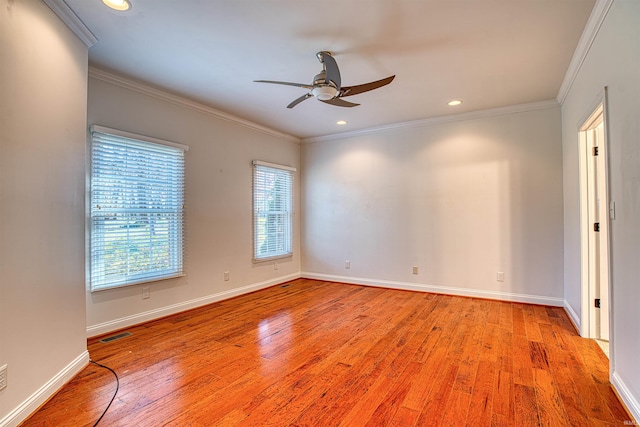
(322, 90)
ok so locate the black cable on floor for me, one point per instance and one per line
(114, 394)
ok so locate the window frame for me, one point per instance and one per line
(290, 173)
(175, 226)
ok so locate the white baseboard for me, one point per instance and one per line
(449, 290)
(30, 405)
(125, 322)
(573, 316)
(627, 397)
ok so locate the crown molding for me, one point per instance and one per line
(141, 88)
(75, 24)
(135, 86)
(598, 14)
(520, 108)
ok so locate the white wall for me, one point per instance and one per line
(460, 200)
(43, 95)
(218, 202)
(613, 61)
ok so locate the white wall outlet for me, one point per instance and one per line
(415, 269)
(275, 265)
(145, 292)
(347, 264)
(3, 376)
(226, 276)
(500, 276)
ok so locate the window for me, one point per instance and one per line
(137, 197)
(272, 211)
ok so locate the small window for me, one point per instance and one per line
(272, 211)
(136, 213)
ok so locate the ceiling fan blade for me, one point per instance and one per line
(354, 90)
(340, 102)
(299, 100)
(331, 67)
(285, 83)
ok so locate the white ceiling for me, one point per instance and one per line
(489, 53)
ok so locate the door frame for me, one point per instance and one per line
(588, 311)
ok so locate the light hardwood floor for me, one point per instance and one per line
(311, 353)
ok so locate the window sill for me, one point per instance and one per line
(137, 282)
(273, 258)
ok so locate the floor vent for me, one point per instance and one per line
(115, 337)
(286, 286)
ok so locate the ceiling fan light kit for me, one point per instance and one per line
(325, 92)
(327, 87)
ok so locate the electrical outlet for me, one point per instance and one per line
(3, 376)
(226, 276)
(500, 276)
(347, 264)
(275, 265)
(145, 293)
(415, 269)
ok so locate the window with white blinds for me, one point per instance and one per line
(137, 201)
(272, 211)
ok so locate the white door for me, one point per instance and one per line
(598, 224)
(602, 212)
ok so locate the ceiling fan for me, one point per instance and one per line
(326, 84)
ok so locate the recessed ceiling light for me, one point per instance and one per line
(117, 4)
(455, 102)
(341, 122)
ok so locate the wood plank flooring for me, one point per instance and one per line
(313, 353)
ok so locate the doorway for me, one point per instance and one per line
(595, 214)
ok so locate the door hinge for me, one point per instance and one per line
(597, 302)
(596, 226)
(595, 151)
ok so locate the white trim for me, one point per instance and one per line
(598, 14)
(137, 282)
(274, 165)
(131, 135)
(583, 219)
(52, 386)
(75, 24)
(472, 115)
(573, 316)
(627, 397)
(183, 102)
(273, 259)
(595, 110)
(134, 319)
(448, 290)
(587, 288)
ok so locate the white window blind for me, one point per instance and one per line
(272, 211)
(137, 200)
